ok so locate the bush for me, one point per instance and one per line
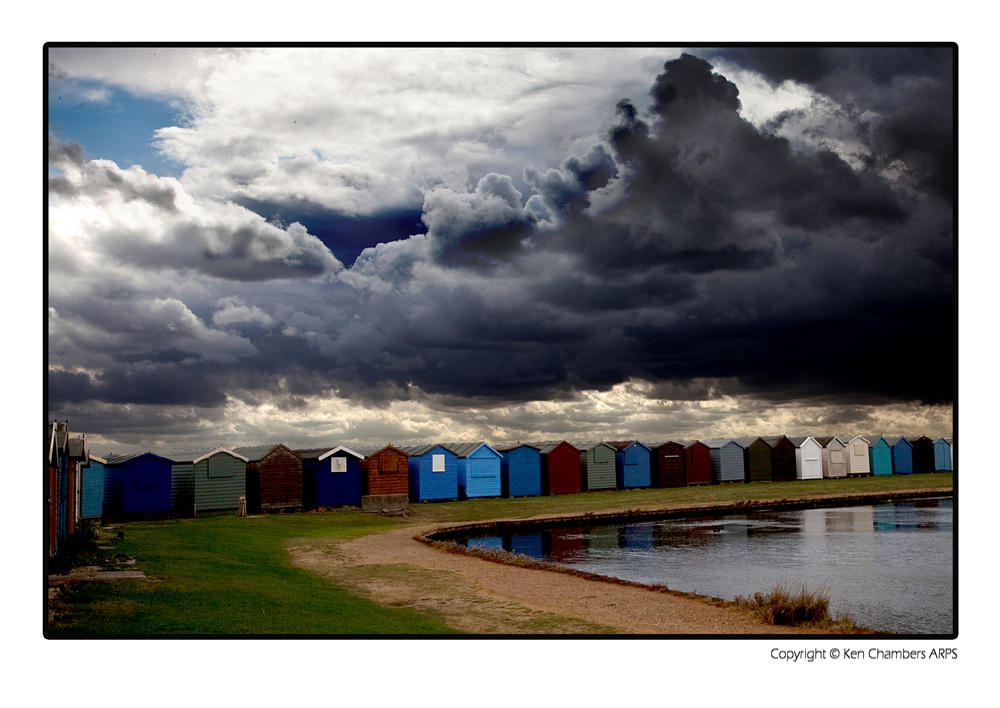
(781, 606)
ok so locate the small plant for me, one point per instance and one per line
(782, 606)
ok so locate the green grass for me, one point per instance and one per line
(593, 502)
(233, 576)
(227, 575)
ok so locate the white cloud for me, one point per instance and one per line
(233, 310)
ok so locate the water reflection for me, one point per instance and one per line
(886, 565)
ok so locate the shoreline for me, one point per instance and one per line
(487, 594)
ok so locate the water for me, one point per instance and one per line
(887, 566)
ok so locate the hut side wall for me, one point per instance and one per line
(219, 484)
(858, 464)
(561, 470)
(942, 455)
(426, 484)
(521, 472)
(902, 458)
(783, 460)
(598, 467)
(728, 463)
(278, 477)
(880, 458)
(698, 464)
(182, 489)
(385, 472)
(338, 488)
(759, 466)
(834, 460)
(632, 467)
(667, 466)
(923, 456)
(92, 490)
(809, 460)
(479, 474)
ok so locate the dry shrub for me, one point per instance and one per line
(782, 606)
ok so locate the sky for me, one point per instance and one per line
(369, 245)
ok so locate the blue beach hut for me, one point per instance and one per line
(879, 454)
(433, 472)
(331, 477)
(92, 488)
(520, 470)
(478, 469)
(631, 464)
(902, 456)
(137, 483)
(942, 455)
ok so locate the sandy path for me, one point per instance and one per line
(484, 597)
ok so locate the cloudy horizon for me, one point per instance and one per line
(369, 245)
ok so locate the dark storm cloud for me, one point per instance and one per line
(911, 87)
(693, 247)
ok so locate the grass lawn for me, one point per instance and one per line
(233, 576)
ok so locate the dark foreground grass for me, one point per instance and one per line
(226, 575)
(230, 576)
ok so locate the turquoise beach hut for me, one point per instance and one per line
(92, 488)
(879, 455)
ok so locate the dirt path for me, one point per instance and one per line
(483, 597)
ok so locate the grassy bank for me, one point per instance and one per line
(227, 575)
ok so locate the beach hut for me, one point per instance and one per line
(137, 483)
(478, 469)
(942, 455)
(923, 455)
(433, 472)
(63, 471)
(728, 460)
(561, 468)
(384, 470)
(274, 478)
(631, 464)
(902, 455)
(759, 460)
(331, 476)
(207, 479)
(520, 470)
(597, 465)
(92, 488)
(666, 464)
(808, 458)
(834, 464)
(697, 462)
(782, 458)
(856, 455)
(879, 455)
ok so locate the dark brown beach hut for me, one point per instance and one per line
(782, 458)
(923, 455)
(759, 459)
(274, 478)
(385, 471)
(697, 463)
(666, 464)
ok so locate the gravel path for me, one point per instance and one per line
(484, 597)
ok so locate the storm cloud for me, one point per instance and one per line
(685, 254)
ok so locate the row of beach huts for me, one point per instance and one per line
(276, 477)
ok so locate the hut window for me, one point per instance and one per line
(338, 464)
(837, 456)
(437, 463)
(858, 449)
(218, 466)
